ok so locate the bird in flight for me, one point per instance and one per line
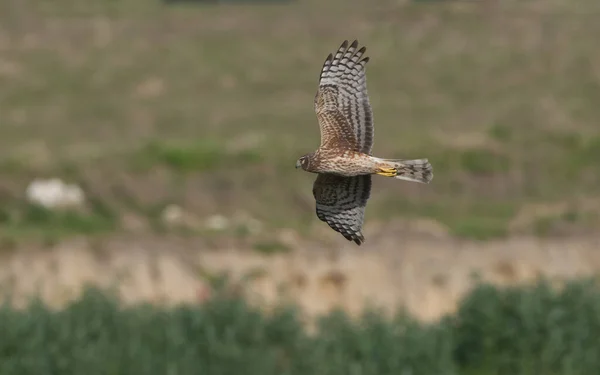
(344, 161)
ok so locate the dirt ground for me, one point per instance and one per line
(426, 274)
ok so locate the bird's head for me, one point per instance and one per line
(303, 162)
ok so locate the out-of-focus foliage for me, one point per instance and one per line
(532, 330)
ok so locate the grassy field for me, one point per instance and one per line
(208, 107)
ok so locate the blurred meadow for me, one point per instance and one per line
(208, 107)
(181, 123)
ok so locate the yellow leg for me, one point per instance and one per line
(388, 172)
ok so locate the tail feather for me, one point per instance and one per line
(416, 170)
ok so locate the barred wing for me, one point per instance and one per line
(341, 203)
(342, 103)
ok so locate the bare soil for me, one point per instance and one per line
(427, 275)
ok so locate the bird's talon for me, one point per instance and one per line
(388, 172)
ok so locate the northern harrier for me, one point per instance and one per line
(343, 161)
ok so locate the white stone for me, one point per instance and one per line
(54, 193)
(217, 222)
(172, 214)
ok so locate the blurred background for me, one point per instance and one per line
(149, 148)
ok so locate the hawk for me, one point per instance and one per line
(344, 161)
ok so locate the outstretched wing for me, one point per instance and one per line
(341, 203)
(342, 103)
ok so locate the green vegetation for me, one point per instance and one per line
(483, 162)
(501, 133)
(214, 116)
(517, 331)
(35, 222)
(570, 220)
(201, 156)
(270, 247)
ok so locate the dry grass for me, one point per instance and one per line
(208, 107)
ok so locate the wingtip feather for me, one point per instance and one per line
(357, 238)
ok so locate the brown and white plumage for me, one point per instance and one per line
(344, 158)
(342, 103)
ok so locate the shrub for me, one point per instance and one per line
(525, 330)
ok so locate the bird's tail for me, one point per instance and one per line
(417, 170)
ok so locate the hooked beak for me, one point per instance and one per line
(298, 165)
